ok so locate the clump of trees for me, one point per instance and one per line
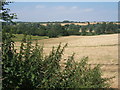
(56, 30)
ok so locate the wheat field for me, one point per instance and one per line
(101, 49)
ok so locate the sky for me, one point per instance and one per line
(65, 0)
(60, 11)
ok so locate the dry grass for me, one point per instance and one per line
(102, 49)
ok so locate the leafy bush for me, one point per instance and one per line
(73, 32)
(30, 68)
(52, 33)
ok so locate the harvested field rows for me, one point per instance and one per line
(102, 49)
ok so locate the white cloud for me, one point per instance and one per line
(60, 7)
(88, 10)
(40, 6)
(74, 7)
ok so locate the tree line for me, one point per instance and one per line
(56, 29)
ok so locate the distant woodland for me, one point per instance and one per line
(55, 29)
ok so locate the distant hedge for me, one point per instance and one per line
(56, 30)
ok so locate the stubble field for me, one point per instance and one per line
(101, 49)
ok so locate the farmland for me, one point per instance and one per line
(85, 23)
(101, 49)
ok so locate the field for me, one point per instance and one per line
(101, 49)
(63, 24)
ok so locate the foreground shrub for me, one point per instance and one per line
(30, 68)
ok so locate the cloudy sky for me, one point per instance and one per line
(59, 11)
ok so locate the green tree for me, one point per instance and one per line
(103, 27)
(111, 28)
(73, 32)
(52, 33)
(83, 30)
(5, 15)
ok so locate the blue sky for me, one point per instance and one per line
(59, 11)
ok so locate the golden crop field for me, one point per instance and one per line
(101, 49)
(82, 24)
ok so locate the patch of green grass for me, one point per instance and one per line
(19, 37)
